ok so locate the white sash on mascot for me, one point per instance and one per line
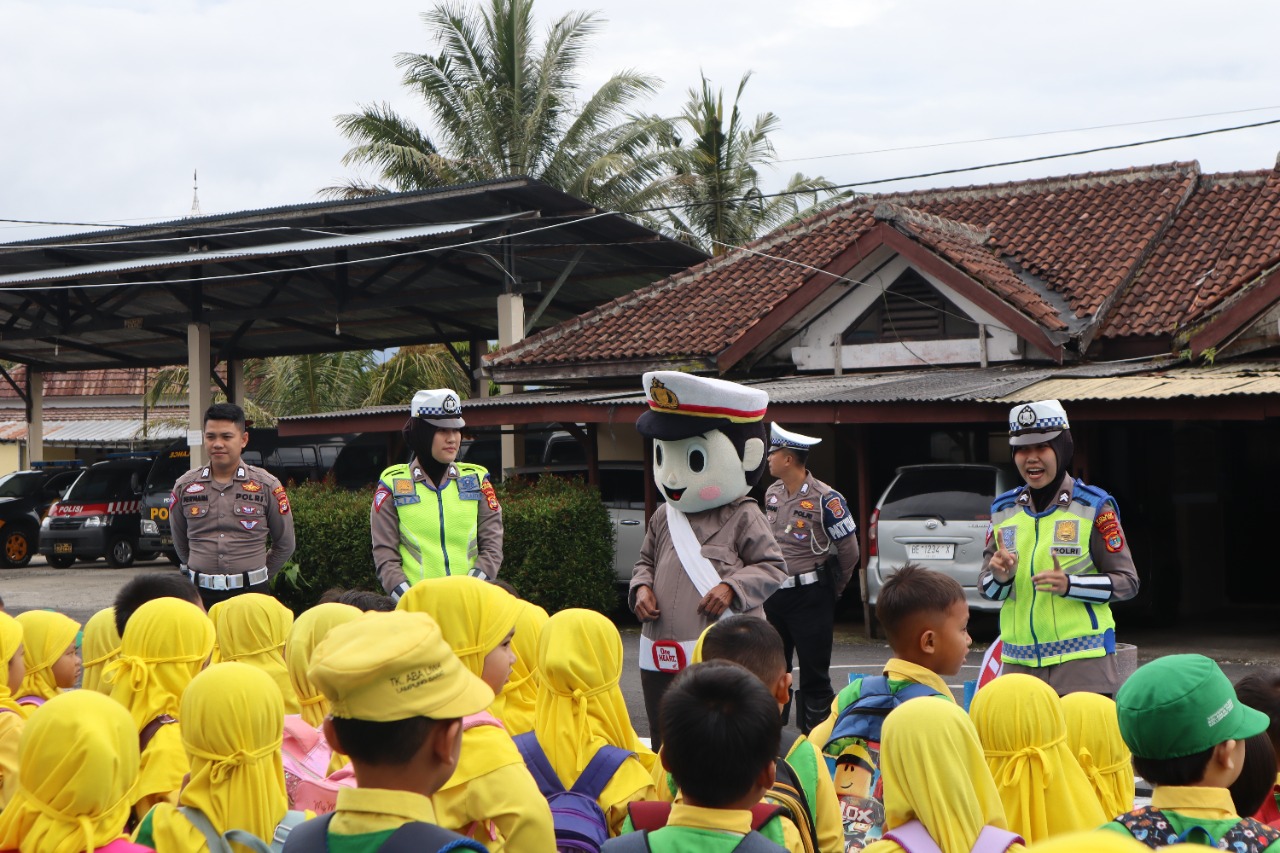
(689, 550)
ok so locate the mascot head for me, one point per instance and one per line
(708, 438)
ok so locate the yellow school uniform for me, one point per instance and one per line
(897, 671)
(307, 631)
(11, 718)
(101, 647)
(516, 704)
(252, 629)
(1093, 735)
(45, 638)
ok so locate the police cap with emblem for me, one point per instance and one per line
(785, 439)
(682, 405)
(1037, 423)
(440, 407)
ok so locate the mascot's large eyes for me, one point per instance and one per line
(697, 459)
(657, 454)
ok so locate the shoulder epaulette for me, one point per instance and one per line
(398, 470)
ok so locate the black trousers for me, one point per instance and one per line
(805, 617)
(654, 685)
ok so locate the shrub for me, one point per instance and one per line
(332, 530)
(558, 544)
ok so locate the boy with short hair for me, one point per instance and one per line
(139, 590)
(721, 732)
(398, 695)
(1186, 728)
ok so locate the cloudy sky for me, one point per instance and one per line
(108, 105)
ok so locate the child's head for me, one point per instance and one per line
(144, 588)
(252, 627)
(397, 694)
(308, 630)
(49, 646)
(166, 643)
(1257, 776)
(1261, 691)
(361, 599)
(11, 653)
(753, 644)
(720, 732)
(476, 618)
(926, 618)
(1184, 724)
(101, 645)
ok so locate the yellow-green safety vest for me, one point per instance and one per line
(437, 527)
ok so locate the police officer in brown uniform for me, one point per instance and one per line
(816, 531)
(222, 514)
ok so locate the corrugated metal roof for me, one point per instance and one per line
(94, 431)
(1244, 379)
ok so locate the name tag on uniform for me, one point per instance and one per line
(402, 500)
(1066, 550)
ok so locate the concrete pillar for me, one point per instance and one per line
(35, 421)
(199, 390)
(510, 330)
(235, 381)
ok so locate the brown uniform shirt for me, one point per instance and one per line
(809, 525)
(222, 529)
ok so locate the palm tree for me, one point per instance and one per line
(719, 203)
(502, 105)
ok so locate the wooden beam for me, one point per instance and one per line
(1237, 315)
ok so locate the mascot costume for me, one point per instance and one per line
(708, 550)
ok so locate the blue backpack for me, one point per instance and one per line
(580, 824)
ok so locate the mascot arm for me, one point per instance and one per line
(762, 569)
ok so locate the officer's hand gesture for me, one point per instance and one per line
(1003, 563)
(646, 609)
(1055, 581)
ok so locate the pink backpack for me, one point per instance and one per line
(306, 755)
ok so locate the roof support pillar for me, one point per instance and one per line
(35, 416)
(235, 382)
(200, 390)
(510, 330)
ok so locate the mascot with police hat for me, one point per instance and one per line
(708, 550)
(1056, 557)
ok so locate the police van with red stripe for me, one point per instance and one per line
(99, 515)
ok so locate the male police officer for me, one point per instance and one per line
(221, 514)
(815, 529)
(434, 516)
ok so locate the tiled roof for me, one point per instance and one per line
(112, 382)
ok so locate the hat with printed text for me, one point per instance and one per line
(682, 405)
(785, 439)
(439, 407)
(392, 666)
(1036, 423)
(1179, 705)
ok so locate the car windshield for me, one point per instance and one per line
(170, 465)
(954, 494)
(20, 485)
(102, 485)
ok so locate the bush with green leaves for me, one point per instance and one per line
(332, 530)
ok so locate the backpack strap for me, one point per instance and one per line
(212, 839)
(151, 729)
(790, 734)
(762, 813)
(600, 770)
(993, 839)
(311, 836)
(631, 842)
(913, 837)
(1250, 834)
(754, 842)
(291, 820)
(419, 837)
(536, 760)
(648, 815)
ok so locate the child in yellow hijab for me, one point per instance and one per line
(86, 749)
(491, 796)
(936, 779)
(53, 664)
(306, 634)
(581, 709)
(252, 628)
(233, 718)
(516, 704)
(1024, 735)
(101, 647)
(11, 718)
(166, 643)
(1093, 735)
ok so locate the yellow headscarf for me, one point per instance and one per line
(1045, 793)
(1098, 841)
(10, 639)
(515, 704)
(233, 720)
(252, 629)
(933, 770)
(101, 647)
(45, 637)
(86, 752)
(308, 630)
(1093, 734)
(580, 705)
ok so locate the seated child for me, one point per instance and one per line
(1186, 728)
(1093, 736)
(516, 704)
(101, 645)
(86, 750)
(1094, 841)
(49, 649)
(252, 628)
(397, 695)
(138, 590)
(165, 645)
(1024, 735)
(233, 718)
(721, 731)
(936, 782)
(308, 630)
(581, 710)
(1257, 779)
(491, 797)
(11, 719)
(756, 645)
(1261, 691)
(360, 599)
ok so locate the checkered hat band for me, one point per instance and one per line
(1041, 425)
(792, 445)
(435, 412)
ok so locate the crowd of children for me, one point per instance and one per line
(467, 719)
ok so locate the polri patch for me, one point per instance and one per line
(836, 507)
(402, 486)
(490, 496)
(252, 486)
(1066, 531)
(806, 504)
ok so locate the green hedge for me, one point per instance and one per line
(557, 544)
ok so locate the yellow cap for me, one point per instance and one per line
(384, 667)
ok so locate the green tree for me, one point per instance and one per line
(501, 104)
(718, 200)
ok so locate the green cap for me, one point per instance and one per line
(1182, 704)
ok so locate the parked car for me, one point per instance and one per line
(98, 516)
(25, 497)
(936, 516)
(172, 463)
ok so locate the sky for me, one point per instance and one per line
(109, 105)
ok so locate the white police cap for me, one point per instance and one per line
(785, 439)
(439, 407)
(1036, 423)
(682, 405)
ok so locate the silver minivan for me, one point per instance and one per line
(936, 516)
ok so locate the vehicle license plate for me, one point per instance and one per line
(931, 551)
(62, 547)
(166, 540)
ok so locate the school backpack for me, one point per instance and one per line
(580, 824)
(1152, 828)
(306, 756)
(914, 838)
(312, 836)
(649, 816)
(221, 842)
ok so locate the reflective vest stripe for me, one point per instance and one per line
(437, 530)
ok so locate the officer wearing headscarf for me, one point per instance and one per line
(434, 516)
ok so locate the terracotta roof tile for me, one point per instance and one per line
(110, 382)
